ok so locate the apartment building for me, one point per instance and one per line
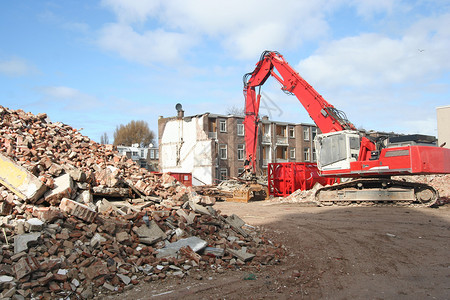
(212, 146)
(145, 157)
(443, 125)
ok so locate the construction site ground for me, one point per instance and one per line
(332, 253)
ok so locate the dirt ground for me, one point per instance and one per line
(333, 253)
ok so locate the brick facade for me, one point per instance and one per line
(277, 142)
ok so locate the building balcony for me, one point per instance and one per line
(282, 140)
(212, 135)
(266, 139)
(281, 160)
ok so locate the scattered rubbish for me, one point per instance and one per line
(250, 277)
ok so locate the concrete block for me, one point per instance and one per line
(188, 217)
(125, 279)
(85, 197)
(8, 293)
(5, 279)
(78, 210)
(21, 241)
(195, 243)
(199, 208)
(34, 224)
(235, 221)
(241, 254)
(96, 240)
(150, 235)
(219, 252)
(76, 174)
(64, 188)
(20, 181)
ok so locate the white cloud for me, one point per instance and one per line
(372, 59)
(242, 28)
(367, 8)
(130, 11)
(15, 67)
(69, 98)
(146, 48)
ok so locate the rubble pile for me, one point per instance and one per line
(302, 197)
(79, 219)
(441, 182)
(232, 189)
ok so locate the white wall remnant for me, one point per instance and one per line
(186, 148)
(443, 125)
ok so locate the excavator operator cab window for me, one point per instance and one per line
(337, 149)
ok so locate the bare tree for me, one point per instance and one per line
(236, 110)
(104, 138)
(135, 132)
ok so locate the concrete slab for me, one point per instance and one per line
(64, 188)
(241, 254)
(19, 180)
(21, 241)
(150, 235)
(195, 243)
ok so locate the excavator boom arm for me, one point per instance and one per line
(325, 115)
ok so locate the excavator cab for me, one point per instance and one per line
(335, 150)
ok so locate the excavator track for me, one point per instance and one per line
(377, 192)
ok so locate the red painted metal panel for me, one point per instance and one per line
(286, 178)
(184, 178)
(407, 160)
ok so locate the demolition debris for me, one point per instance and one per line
(77, 218)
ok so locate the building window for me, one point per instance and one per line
(306, 133)
(281, 153)
(306, 154)
(281, 130)
(223, 151)
(134, 153)
(223, 125)
(240, 170)
(223, 174)
(240, 129)
(157, 153)
(240, 151)
(314, 155)
(291, 131)
(142, 153)
(152, 154)
(292, 153)
(314, 132)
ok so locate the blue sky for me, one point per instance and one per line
(97, 64)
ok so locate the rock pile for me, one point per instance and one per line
(77, 218)
(441, 182)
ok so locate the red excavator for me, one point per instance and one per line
(343, 151)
